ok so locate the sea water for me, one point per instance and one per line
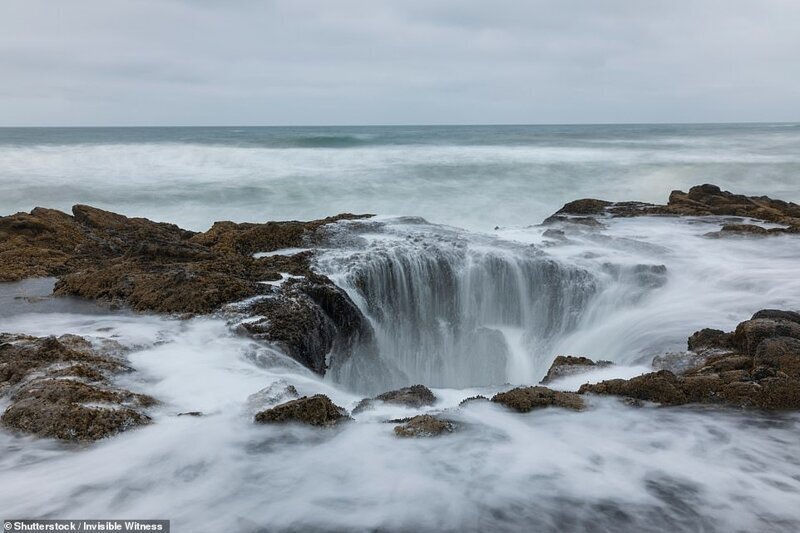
(487, 300)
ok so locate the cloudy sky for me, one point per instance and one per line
(295, 62)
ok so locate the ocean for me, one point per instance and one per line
(473, 177)
(466, 293)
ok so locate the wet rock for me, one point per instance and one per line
(413, 396)
(311, 319)
(740, 230)
(701, 200)
(710, 338)
(23, 357)
(150, 266)
(780, 353)
(661, 387)
(424, 426)
(192, 413)
(678, 362)
(757, 366)
(586, 206)
(472, 399)
(72, 410)
(525, 399)
(778, 314)
(317, 410)
(61, 388)
(750, 333)
(569, 365)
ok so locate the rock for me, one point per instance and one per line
(155, 266)
(525, 399)
(317, 410)
(791, 316)
(413, 396)
(780, 353)
(192, 413)
(61, 388)
(424, 426)
(678, 362)
(758, 366)
(71, 410)
(471, 399)
(23, 357)
(710, 338)
(661, 387)
(585, 206)
(150, 266)
(311, 319)
(750, 333)
(569, 365)
(701, 200)
(740, 230)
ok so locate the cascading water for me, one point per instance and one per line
(453, 309)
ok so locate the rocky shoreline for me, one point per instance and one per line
(64, 387)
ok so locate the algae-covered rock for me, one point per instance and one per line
(424, 426)
(317, 410)
(525, 399)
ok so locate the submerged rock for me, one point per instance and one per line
(61, 388)
(424, 426)
(525, 399)
(413, 396)
(471, 399)
(317, 410)
(569, 365)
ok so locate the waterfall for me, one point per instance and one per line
(453, 309)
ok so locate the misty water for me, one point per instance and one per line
(466, 294)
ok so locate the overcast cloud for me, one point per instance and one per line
(248, 62)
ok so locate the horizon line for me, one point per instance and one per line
(410, 125)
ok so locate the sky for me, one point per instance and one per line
(328, 62)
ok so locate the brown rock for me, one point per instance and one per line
(525, 399)
(413, 396)
(780, 353)
(749, 334)
(710, 338)
(424, 426)
(569, 365)
(72, 410)
(660, 387)
(317, 410)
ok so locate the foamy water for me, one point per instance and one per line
(466, 308)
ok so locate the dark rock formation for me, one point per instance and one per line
(413, 396)
(317, 410)
(152, 266)
(61, 388)
(569, 365)
(701, 200)
(756, 366)
(424, 426)
(525, 399)
(309, 319)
